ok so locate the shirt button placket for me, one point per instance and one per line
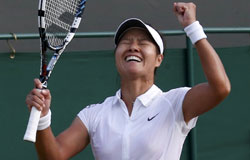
(126, 140)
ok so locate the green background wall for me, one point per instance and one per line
(82, 78)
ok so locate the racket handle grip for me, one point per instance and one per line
(30, 134)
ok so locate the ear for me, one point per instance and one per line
(159, 59)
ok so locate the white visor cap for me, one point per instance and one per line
(137, 23)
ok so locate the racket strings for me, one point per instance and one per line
(59, 17)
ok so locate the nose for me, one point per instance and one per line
(134, 46)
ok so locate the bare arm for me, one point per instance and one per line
(65, 145)
(205, 96)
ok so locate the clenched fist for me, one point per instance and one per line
(185, 12)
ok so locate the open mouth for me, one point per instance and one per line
(133, 58)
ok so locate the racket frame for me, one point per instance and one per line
(46, 69)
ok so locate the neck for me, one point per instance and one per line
(130, 90)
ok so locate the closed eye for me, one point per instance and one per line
(124, 41)
(145, 42)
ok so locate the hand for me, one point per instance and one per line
(39, 98)
(185, 12)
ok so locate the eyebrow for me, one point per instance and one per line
(140, 39)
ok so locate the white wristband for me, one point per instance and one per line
(44, 121)
(195, 32)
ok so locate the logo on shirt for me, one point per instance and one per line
(149, 119)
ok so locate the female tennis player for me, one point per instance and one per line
(140, 122)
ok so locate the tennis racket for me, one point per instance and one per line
(58, 21)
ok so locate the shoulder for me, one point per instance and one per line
(175, 96)
(91, 114)
(99, 106)
(175, 93)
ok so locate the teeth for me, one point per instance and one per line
(133, 58)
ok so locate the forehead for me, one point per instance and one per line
(136, 32)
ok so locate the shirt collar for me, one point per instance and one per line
(145, 98)
(117, 96)
(149, 95)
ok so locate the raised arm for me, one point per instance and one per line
(65, 145)
(205, 96)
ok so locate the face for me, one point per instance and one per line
(136, 55)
